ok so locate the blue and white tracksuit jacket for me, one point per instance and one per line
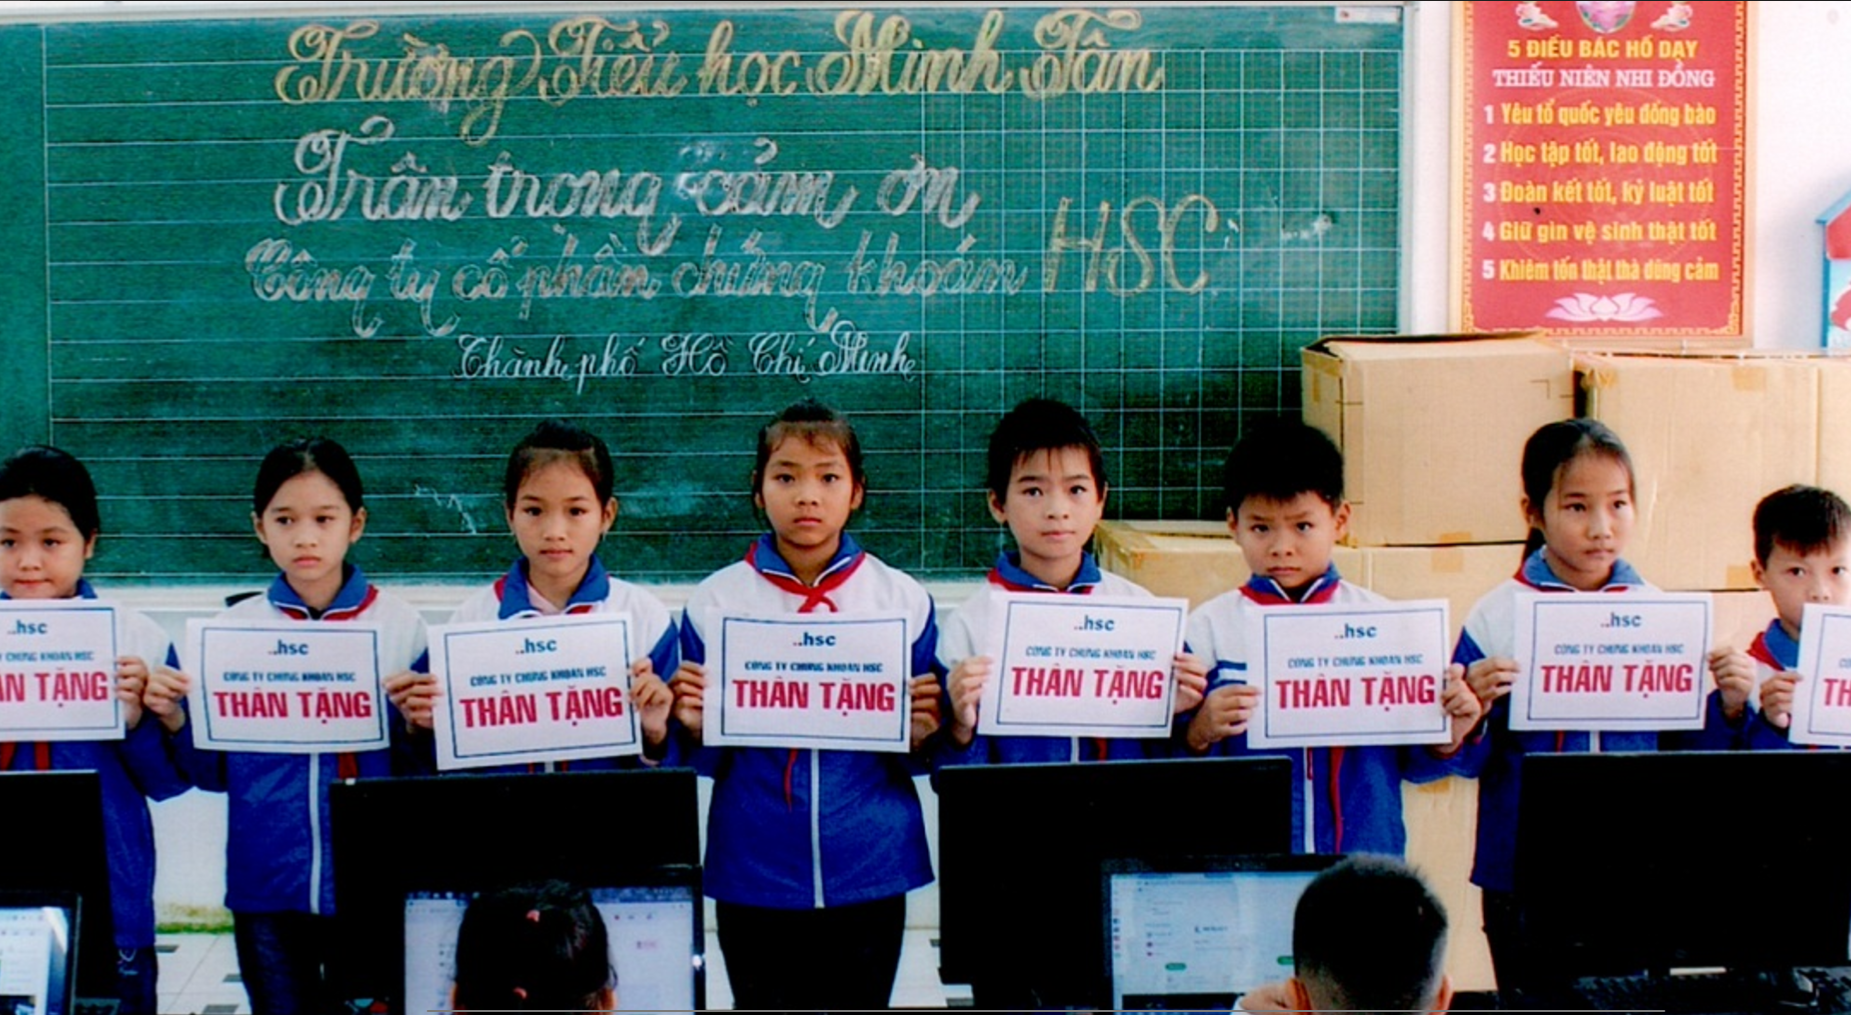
(1773, 652)
(964, 635)
(597, 592)
(1494, 753)
(278, 852)
(802, 829)
(130, 771)
(1348, 799)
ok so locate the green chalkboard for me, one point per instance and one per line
(420, 234)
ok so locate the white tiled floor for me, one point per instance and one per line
(199, 975)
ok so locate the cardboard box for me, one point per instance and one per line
(1461, 575)
(1432, 430)
(1739, 616)
(1200, 560)
(1834, 425)
(1709, 437)
(1193, 559)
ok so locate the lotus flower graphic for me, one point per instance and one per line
(1584, 308)
(1531, 16)
(1605, 16)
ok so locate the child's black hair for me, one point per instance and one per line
(1279, 459)
(1369, 935)
(41, 471)
(1802, 519)
(556, 440)
(810, 421)
(1036, 425)
(1549, 451)
(288, 460)
(533, 947)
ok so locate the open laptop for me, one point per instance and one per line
(1196, 933)
(654, 922)
(38, 952)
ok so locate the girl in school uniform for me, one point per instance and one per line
(307, 510)
(1578, 497)
(810, 853)
(558, 493)
(48, 529)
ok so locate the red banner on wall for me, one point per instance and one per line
(1603, 167)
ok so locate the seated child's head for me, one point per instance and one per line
(1803, 551)
(1369, 935)
(1284, 495)
(1047, 482)
(538, 947)
(48, 523)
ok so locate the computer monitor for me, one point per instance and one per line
(1195, 934)
(1656, 862)
(656, 940)
(38, 952)
(54, 844)
(475, 833)
(1020, 848)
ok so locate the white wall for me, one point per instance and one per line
(1799, 164)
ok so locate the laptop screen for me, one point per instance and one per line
(655, 936)
(1184, 940)
(36, 953)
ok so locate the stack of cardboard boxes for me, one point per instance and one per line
(1432, 430)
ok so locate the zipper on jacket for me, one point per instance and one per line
(1309, 789)
(314, 795)
(816, 824)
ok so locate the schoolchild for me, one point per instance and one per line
(48, 529)
(810, 853)
(558, 494)
(1578, 500)
(1284, 494)
(540, 947)
(307, 510)
(1368, 935)
(1047, 483)
(1802, 555)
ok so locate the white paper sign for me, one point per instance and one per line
(542, 689)
(820, 680)
(58, 670)
(1081, 666)
(282, 687)
(1607, 661)
(1822, 701)
(1350, 674)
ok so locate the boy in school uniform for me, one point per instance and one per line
(1802, 555)
(1368, 935)
(1284, 496)
(1046, 477)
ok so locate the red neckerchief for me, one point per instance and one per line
(1758, 651)
(813, 596)
(1267, 597)
(1336, 801)
(41, 755)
